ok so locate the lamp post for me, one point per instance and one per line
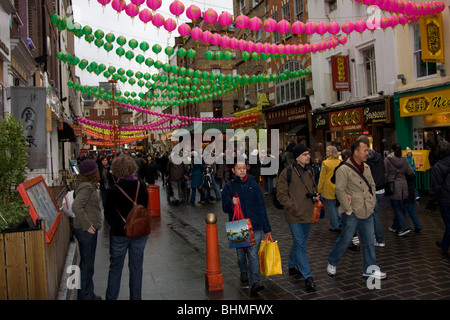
(115, 128)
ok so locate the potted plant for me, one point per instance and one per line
(13, 165)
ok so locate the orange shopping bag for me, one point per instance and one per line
(316, 214)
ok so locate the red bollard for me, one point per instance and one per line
(213, 275)
(154, 202)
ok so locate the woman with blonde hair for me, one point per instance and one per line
(327, 189)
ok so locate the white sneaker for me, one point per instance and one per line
(331, 270)
(377, 274)
(381, 244)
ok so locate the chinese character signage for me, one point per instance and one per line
(28, 106)
(432, 38)
(340, 73)
(425, 103)
(345, 120)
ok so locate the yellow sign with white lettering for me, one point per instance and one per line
(425, 103)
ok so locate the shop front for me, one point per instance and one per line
(291, 121)
(422, 118)
(342, 126)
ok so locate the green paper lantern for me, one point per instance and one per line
(169, 51)
(133, 43)
(120, 51)
(158, 64)
(144, 46)
(228, 55)
(245, 56)
(89, 38)
(99, 42)
(54, 18)
(108, 46)
(121, 40)
(140, 58)
(218, 55)
(129, 55)
(138, 75)
(156, 48)
(209, 55)
(130, 73)
(121, 71)
(99, 34)
(191, 53)
(111, 69)
(87, 30)
(149, 62)
(166, 67)
(181, 52)
(110, 37)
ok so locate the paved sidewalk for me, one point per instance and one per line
(175, 260)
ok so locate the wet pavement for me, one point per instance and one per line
(175, 260)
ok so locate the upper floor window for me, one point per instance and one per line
(370, 70)
(299, 10)
(423, 69)
(286, 15)
(275, 35)
(290, 89)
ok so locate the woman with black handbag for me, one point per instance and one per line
(397, 167)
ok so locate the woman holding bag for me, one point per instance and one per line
(397, 167)
(244, 190)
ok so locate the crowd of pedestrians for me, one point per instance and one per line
(350, 183)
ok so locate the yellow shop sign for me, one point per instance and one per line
(425, 103)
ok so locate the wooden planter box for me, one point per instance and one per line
(30, 268)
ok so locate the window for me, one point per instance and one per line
(217, 108)
(100, 112)
(423, 69)
(246, 94)
(290, 89)
(276, 35)
(370, 71)
(298, 10)
(256, 2)
(87, 113)
(331, 5)
(258, 36)
(215, 71)
(242, 5)
(259, 88)
(286, 15)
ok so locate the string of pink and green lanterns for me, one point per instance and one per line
(251, 50)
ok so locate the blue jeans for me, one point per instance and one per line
(350, 225)
(216, 188)
(252, 265)
(118, 249)
(87, 244)
(297, 257)
(379, 234)
(194, 193)
(444, 208)
(409, 208)
(333, 210)
(268, 181)
(399, 222)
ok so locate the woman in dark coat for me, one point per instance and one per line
(150, 171)
(196, 175)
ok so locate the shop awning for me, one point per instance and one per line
(298, 128)
(66, 133)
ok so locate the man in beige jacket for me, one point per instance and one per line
(355, 190)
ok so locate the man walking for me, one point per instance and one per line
(355, 190)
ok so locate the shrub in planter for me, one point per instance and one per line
(13, 165)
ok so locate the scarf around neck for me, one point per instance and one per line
(359, 166)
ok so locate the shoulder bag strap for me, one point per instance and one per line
(361, 175)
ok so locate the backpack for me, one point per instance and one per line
(137, 223)
(277, 203)
(67, 203)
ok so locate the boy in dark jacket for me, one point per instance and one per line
(253, 207)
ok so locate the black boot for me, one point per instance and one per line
(310, 285)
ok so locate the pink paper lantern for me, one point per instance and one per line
(334, 27)
(207, 36)
(176, 8)
(242, 22)
(288, 49)
(310, 28)
(400, 6)
(225, 19)
(321, 28)
(225, 42)
(210, 16)
(258, 47)
(342, 40)
(184, 29)
(233, 43)
(348, 27)
(145, 16)
(273, 48)
(393, 21)
(196, 33)
(270, 25)
(280, 48)
(360, 26)
(283, 26)
(118, 5)
(266, 47)
(215, 40)
(154, 4)
(298, 27)
(137, 2)
(241, 45)
(170, 25)
(158, 20)
(104, 2)
(131, 10)
(255, 24)
(250, 46)
(193, 12)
